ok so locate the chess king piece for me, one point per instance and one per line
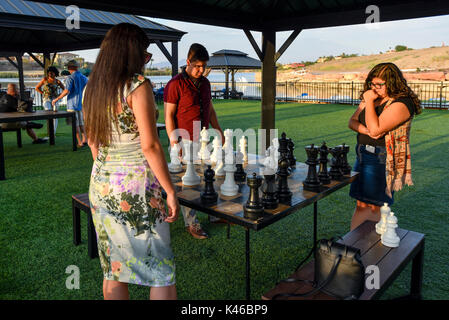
(209, 195)
(253, 209)
(243, 148)
(291, 156)
(190, 178)
(270, 198)
(323, 175)
(284, 193)
(381, 226)
(229, 188)
(312, 183)
(204, 153)
(390, 237)
(240, 174)
(175, 165)
(344, 166)
(335, 171)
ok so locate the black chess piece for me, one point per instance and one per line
(270, 198)
(209, 196)
(335, 171)
(312, 183)
(344, 166)
(284, 193)
(323, 175)
(253, 209)
(240, 174)
(291, 156)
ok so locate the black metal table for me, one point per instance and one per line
(7, 117)
(231, 208)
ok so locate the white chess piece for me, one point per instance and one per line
(204, 153)
(268, 165)
(175, 164)
(390, 237)
(381, 226)
(190, 178)
(196, 158)
(216, 152)
(243, 145)
(229, 187)
(228, 139)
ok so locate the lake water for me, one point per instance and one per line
(213, 77)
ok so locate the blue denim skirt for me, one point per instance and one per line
(370, 185)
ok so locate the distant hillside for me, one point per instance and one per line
(425, 59)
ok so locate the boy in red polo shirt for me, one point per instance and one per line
(187, 98)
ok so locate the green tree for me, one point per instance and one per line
(399, 48)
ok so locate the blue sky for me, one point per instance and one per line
(312, 43)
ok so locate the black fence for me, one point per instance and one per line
(431, 94)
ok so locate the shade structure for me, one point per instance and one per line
(230, 61)
(269, 17)
(27, 26)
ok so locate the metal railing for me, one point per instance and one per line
(431, 94)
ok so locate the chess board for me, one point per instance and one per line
(231, 208)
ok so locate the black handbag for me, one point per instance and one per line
(339, 272)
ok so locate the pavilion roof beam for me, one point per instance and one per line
(286, 44)
(36, 59)
(253, 44)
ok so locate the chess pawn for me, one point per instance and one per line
(253, 209)
(240, 174)
(323, 175)
(195, 152)
(312, 183)
(204, 153)
(243, 144)
(190, 177)
(209, 195)
(381, 226)
(390, 237)
(175, 164)
(229, 188)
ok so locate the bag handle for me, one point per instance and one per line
(325, 282)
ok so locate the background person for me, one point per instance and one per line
(10, 99)
(48, 88)
(187, 98)
(383, 123)
(129, 170)
(75, 84)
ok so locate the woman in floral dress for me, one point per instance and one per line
(129, 170)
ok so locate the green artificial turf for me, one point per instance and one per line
(36, 214)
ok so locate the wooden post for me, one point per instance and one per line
(47, 62)
(174, 58)
(268, 84)
(227, 83)
(233, 80)
(21, 77)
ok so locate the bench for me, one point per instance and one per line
(390, 261)
(80, 202)
(19, 135)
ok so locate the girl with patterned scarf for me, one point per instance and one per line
(382, 122)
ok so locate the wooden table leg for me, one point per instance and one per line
(91, 237)
(417, 274)
(74, 132)
(51, 131)
(248, 266)
(19, 138)
(76, 224)
(2, 157)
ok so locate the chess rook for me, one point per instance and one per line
(344, 166)
(335, 171)
(312, 183)
(253, 209)
(270, 198)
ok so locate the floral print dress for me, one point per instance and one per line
(128, 209)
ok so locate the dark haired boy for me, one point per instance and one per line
(187, 98)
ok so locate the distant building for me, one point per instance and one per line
(338, 58)
(63, 58)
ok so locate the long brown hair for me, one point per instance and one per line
(395, 83)
(122, 54)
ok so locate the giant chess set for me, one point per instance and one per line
(234, 182)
